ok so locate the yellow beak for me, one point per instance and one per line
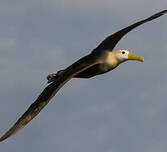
(132, 56)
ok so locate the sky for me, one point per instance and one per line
(123, 110)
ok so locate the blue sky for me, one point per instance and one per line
(123, 110)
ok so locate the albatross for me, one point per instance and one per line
(102, 59)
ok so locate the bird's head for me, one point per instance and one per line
(124, 55)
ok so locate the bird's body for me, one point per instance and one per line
(107, 63)
(101, 60)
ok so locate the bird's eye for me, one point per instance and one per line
(123, 52)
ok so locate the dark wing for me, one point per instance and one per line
(110, 42)
(49, 92)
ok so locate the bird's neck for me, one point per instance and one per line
(111, 59)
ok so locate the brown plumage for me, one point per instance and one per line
(99, 61)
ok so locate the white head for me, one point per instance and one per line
(124, 55)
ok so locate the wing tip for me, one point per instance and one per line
(6, 135)
(164, 12)
(15, 128)
(3, 138)
(157, 15)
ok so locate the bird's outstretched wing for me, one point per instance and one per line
(49, 92)
(110, 42)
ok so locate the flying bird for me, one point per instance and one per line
(101, 60)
